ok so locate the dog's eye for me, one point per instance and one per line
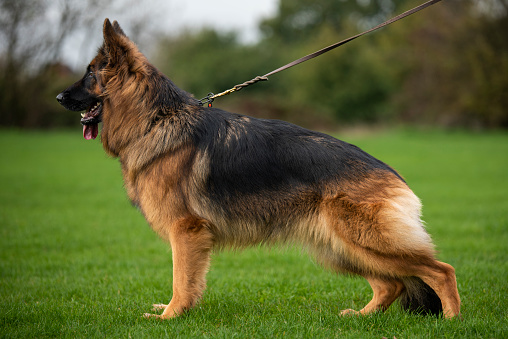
(90, 74)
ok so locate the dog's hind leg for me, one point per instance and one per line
(191, 244)
(382, 236)
(386, 291)
(441, 278)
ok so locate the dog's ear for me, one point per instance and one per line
(118, 29)
(120, 50)
(112, 41)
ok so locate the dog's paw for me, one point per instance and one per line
(155, 308)
(167, 314)
(151, 316)
(158, 307)
(349, 312)
(157, 316)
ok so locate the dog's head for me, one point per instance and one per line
(117, 55)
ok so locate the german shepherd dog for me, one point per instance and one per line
(208, 179)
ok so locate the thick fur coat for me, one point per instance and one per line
(205, 178)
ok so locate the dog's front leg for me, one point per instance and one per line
(191, 245)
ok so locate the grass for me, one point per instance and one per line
(76, 260)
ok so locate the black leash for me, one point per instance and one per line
(210, 97)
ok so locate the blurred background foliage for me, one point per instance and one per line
(445, 66)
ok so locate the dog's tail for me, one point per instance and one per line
(419, 298)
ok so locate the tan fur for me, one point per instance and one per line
(386, 291)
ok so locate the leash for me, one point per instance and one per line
(210, 97)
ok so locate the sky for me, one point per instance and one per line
(242, 17)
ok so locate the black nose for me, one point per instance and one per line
(60, 97)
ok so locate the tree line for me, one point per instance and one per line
(446, 66)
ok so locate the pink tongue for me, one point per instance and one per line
(90, 131)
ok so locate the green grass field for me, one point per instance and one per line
(76, 260)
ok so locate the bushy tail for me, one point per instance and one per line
(419, 298)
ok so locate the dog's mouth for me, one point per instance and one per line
(90, 121)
